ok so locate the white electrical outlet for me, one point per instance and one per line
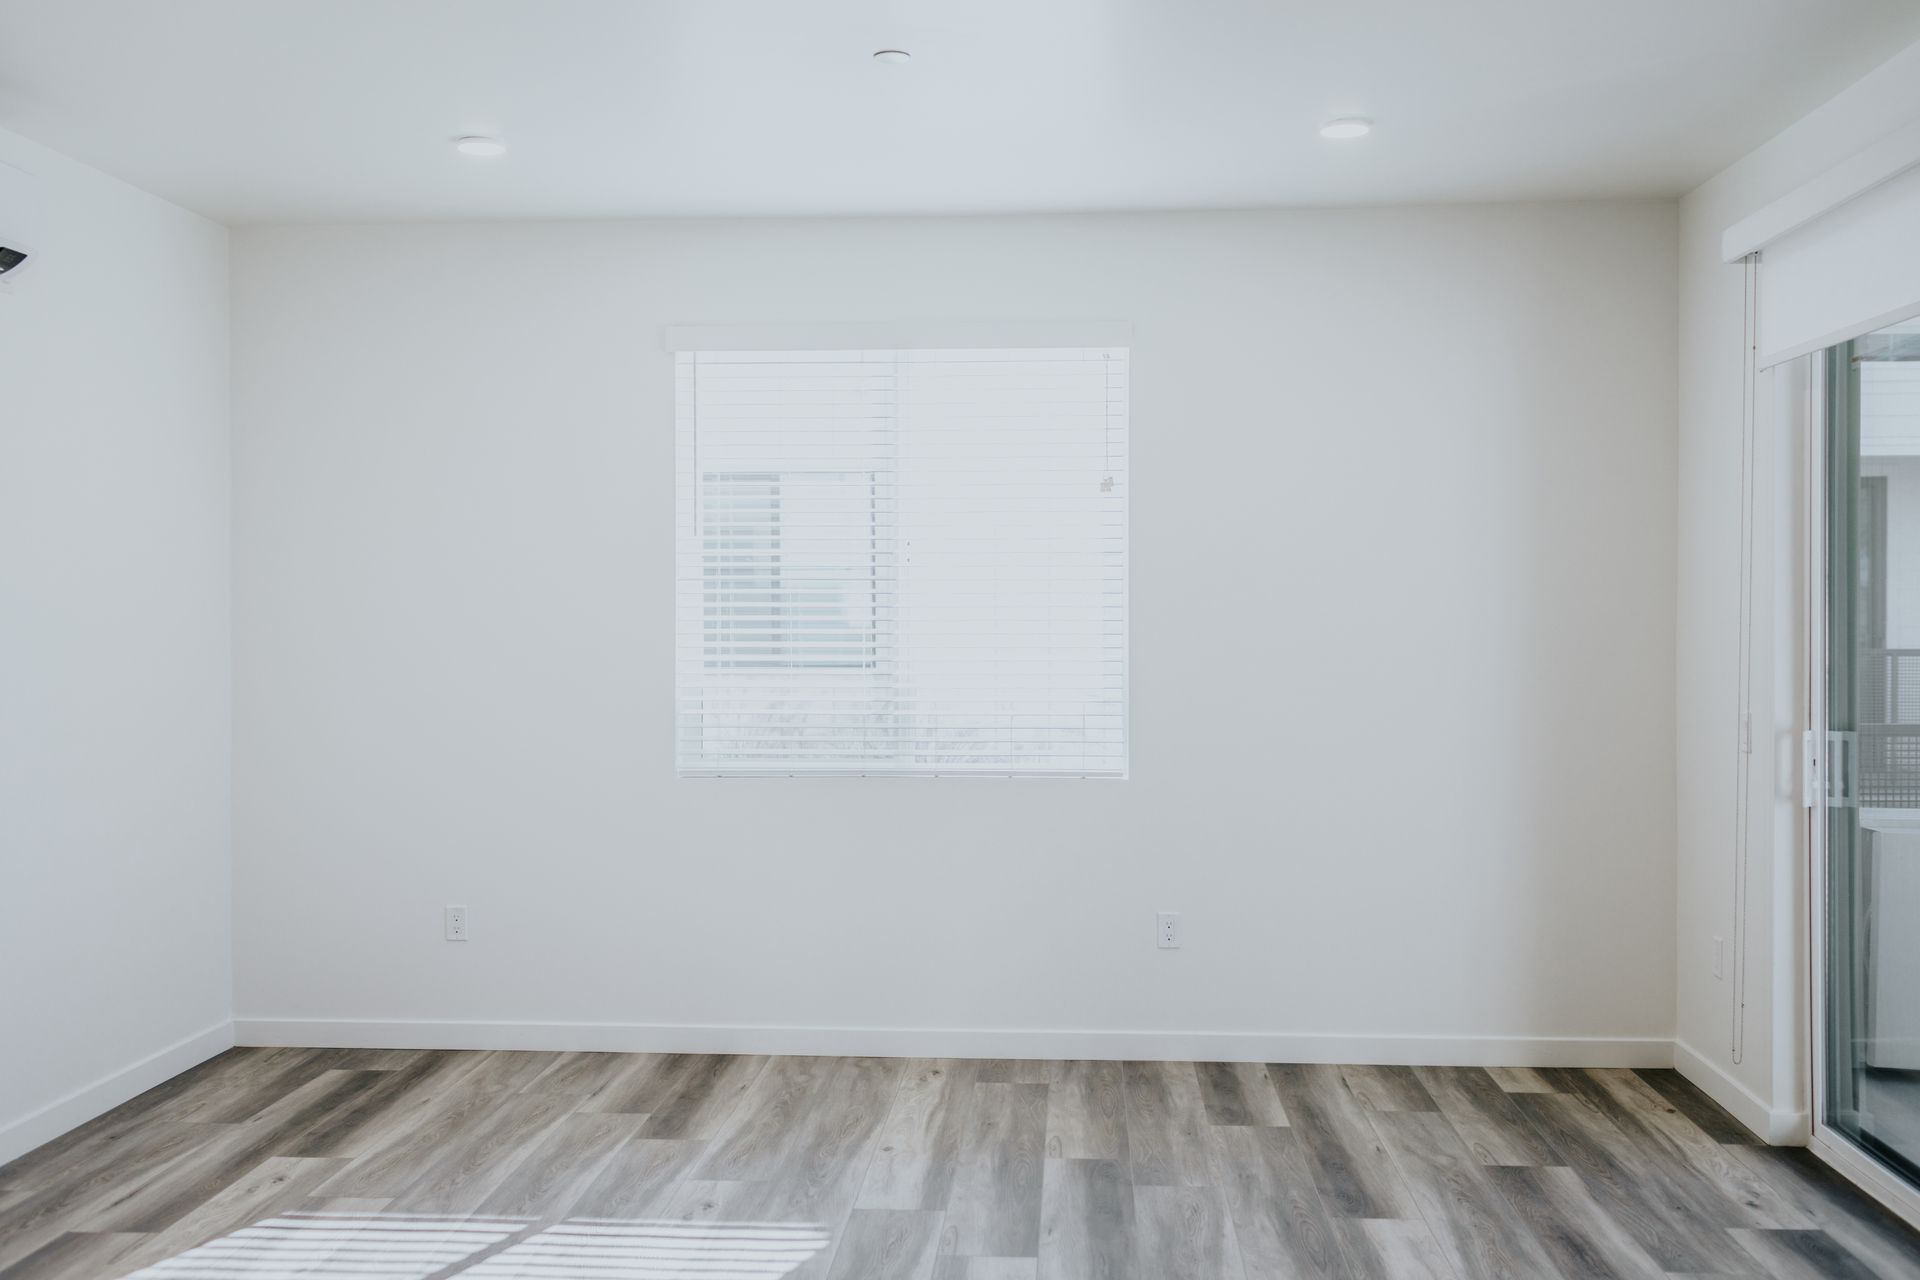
(456, 924)
(1167, 930)
(1719, 958)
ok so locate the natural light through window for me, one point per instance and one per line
(417, 1246)
(903, 562)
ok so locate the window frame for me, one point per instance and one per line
(687, 429)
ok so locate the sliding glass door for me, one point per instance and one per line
(1871, 978)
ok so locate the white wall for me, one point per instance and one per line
(1402, 649)
(115, 813)
(1768, 1087)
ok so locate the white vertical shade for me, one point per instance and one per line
(903, 562)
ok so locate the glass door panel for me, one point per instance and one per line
(1872, 965)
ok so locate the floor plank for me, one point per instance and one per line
(1166, 1125)
(1698, 1192)
(1576, 1232)
(99, 1138)
(1282, 1224)
(1628, 1185)
(1351, 1168)
(561, 1166)
(754, 1140)
(1485, 1116)
(888, 1244)
(638, 1179)
(994, 1209)
(1802, 1255)
(203, 1173)
(1473, 1223)
(703, 1098)
(73, 1194)
(510, 1070)
(684, 1095)
(958, 1268)
(510, 1163)
(1860, 1225)
(1763, 1205)
(1519, 1080)
(1392, 1249)
(832, 1147)
(1712, 1118)
(581, 1075)
(1387, 1089)
(77, 1253)
(1015, 1071)
(473, 1165)
(1183, 1233)
(1087, 1112)
(358, 1122)
(1086, 1221)
(747, 1207)
(1239, 1093)
(276, 1185)
(395, 1154)
(919, 1145)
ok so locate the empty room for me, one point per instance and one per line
(913, 640)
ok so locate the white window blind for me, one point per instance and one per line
(902, 562)
(1852, 271)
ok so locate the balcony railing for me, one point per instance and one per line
(1887, 717)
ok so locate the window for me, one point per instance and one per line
(902, 562)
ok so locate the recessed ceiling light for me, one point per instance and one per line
(1347, 127)
(894, 56)
(475, 145)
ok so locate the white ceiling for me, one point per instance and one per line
(301, 110)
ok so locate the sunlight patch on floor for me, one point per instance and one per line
(323, 1246)
(611, 1249)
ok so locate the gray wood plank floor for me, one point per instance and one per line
(266, 1164)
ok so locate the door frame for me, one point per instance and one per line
(1852, 1161)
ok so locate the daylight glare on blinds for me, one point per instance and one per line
(902, 562)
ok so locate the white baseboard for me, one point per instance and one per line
(1780, 1126)
(930, 1042)
(17, 1137)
